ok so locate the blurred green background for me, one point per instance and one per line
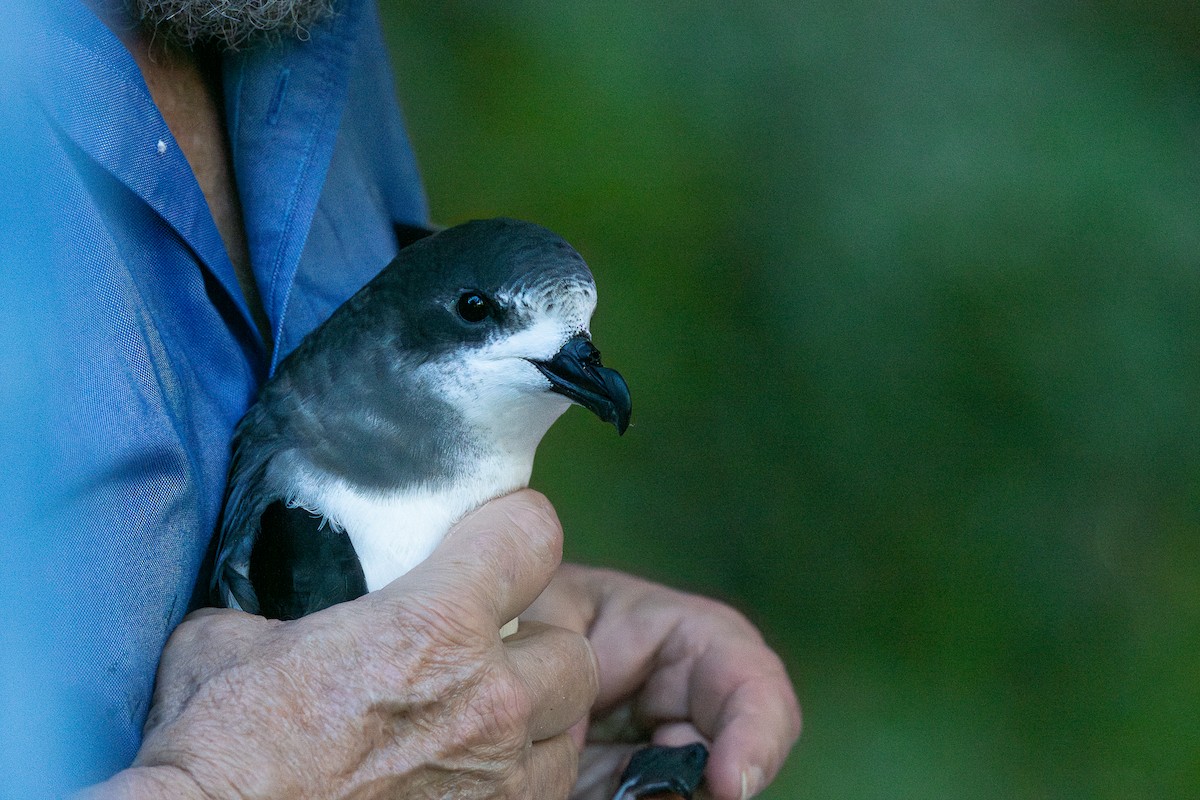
(908, 296)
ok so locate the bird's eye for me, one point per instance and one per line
(474, 307)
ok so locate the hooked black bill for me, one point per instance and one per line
(576, 372)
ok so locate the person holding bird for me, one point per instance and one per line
(203, 184)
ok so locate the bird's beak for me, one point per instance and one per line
(576, 371)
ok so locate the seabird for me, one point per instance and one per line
(422, 397)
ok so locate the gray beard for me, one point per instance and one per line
(229, 24)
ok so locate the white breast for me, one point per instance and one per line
(393, 532)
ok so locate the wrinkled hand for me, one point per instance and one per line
(674, 669)
(407, 692)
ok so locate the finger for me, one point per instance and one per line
(712, 668)
(558, 669)
(678, 734)
(750, 716)
(211, 638)
(569, 601)
(207, 641)
(754, 734)
(201, 613)
(495, 561)
(551, 768)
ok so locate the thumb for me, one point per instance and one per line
(495, 561)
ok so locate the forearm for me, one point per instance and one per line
(145, 783)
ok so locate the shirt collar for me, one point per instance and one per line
(284, 106)
(284, 103)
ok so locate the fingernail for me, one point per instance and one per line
(752, 778)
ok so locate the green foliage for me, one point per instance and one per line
(908, 300)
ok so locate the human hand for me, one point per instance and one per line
(674, 669)
(406, 692)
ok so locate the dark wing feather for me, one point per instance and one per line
(246, 498)
(299, 566)
(270, 559)
(250, 505)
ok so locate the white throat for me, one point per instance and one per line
(394, 531)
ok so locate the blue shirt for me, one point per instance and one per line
(135, 348)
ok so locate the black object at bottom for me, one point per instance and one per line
(657, 770)
(299, 566)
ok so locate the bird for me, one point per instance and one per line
(419, 399)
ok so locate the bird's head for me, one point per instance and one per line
(493, 317)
